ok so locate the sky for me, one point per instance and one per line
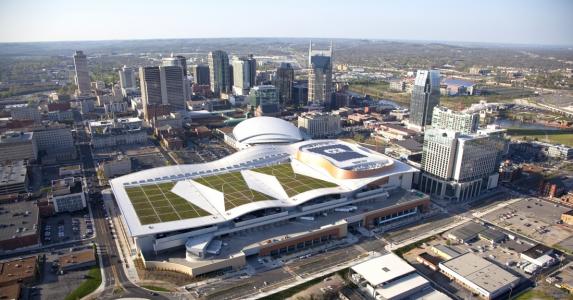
(537, 22)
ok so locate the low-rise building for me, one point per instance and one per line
(390, 277)
(72, 170)
(19, 221)
(115, 107)
(55, 142)
(395, 132)
(457, 87)
(13, 177)
(404, 148)
(18, 146)
(479, 275)
(10, 292)
(539, 255)
(18, 271)
(445, 252)
(429, 261)
(24, 112)
(111, 133)
(552, 188)
(119, 166)
(317, 124)
(471, 231)
(567, 217)
(67, 195)
(77, 260)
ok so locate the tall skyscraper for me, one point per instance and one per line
(82, 78)
(173, 89)
(264, 99)
(176, 60)
(283, 81)
(244, 73)
(252, 62)
(425, 96)
(445, 118)
(458, 166)
(127, 78)
(150, 82)
(200, 74)
(219, 72)
(162, 85)
(320, 76)
(181, 62)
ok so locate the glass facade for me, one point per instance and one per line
(425, 96)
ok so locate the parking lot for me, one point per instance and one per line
(205, 150)
(534, 218)
(67, 227)
(148, 161)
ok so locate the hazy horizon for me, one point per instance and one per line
(509, 22)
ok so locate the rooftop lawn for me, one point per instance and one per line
(235, 189)
(292, 182)
(155, 203)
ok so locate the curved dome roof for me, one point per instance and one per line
(265, 130)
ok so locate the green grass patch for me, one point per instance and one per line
(564, 137)
(156, 203)
(156, 288)
(291, 182)
(88, 286)
(534, 294)
(234, 188)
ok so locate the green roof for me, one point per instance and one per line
(292, 182)
(234, 187)
(155, 203)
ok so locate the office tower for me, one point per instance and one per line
(425, 96)
(219, 72)
(319, 76)
(264, 99)
(200, 74)
(319, 125)
(231, 82)
(300, 93)
(244, 73)
(176, 60)
(252, 63)
(162, 86)
(150, 82)
(283, 81)
(82, 74)
(459, 166)
(173, 87)
(445, 118)
(127, 78)
(181, 62)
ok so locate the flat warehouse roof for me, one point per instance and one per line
(480, 271)
(383, 269)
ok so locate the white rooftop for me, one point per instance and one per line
(212, 201)
(265, 130)
(382, 269)
(480, 271)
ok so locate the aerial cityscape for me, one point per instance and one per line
(294, 150)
